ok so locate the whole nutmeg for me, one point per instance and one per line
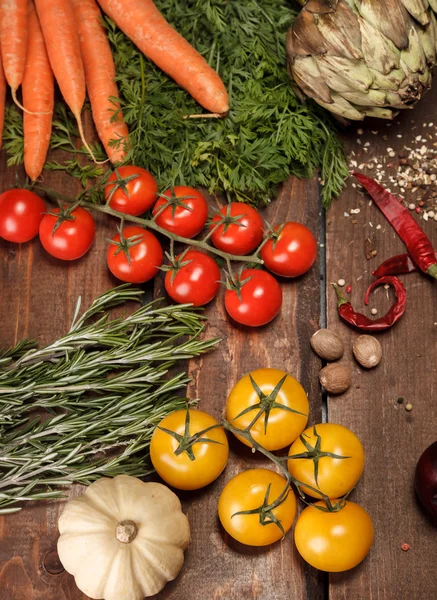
(327, 344)
(335, 378)
(367, 350)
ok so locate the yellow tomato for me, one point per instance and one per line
(336, 475)
(174, 464)
(287, 408)
(334, 541)
(247, 491)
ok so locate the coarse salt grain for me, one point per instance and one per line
(378, 227)
(431, 214)
(425, 216)
(374, 311)
(355, 211)
(411, 206)
(341, 282)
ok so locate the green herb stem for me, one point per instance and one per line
(86, 405)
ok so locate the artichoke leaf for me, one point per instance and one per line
(304, 39)
(389, 17)
(381, 113)
(426, 79)
(395, 100)
(342, 107)
(379, 52)
(414, 56)
(433, 5)
(433, 26)
(417, 8)
(343, 74)
(428, 43)
(308, 77)
(321, 6)
(369, 98)
(341, 32)
(391, 82)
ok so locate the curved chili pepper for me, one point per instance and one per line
(396, 265)
(348, 314)
(418, 245)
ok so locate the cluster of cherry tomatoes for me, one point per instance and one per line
(189, 450)
(135, 255)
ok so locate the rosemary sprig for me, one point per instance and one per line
(100, 391)
(267, 136)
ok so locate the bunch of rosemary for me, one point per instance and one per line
(86, 405)
(268, 134)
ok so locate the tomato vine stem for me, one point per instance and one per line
(151, 224)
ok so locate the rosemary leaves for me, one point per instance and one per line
(86, 405)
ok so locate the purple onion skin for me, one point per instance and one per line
(426, 481)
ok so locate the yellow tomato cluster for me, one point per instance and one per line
(268, 408)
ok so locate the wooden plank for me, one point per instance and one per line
(393, 438)
(217, 566)
(41, 293)
(38, 297)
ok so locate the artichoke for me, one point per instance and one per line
(360, 58)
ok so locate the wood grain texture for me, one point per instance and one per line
(216, 566)
(39, 294)
(392, 437)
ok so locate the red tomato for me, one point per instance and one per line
(21, 212)
(241, 229)
(68, 237)
(144, 251)
(260, 298)
(186, 213)
(131, 190)
(291, 251)
(195, 279)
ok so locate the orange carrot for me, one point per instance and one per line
(2, 100)
(146, 27)
(100, 77)
(38, 98)
(13, 36)
(60, 34)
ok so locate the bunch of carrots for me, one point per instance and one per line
(64, 40)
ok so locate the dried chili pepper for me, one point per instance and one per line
(396, 265)
(418, 244)
(360, 321)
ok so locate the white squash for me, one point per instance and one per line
(123, 539)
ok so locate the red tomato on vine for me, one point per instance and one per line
(67, 233)
(131, 190)
(182, 211)
(194, 278)
(254, 298)
(237, 229)
(134, 255)
(290, 250)
(21, 212)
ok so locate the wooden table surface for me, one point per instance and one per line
(37, 297)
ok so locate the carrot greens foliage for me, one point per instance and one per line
(267, 136)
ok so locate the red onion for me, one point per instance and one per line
(426, 481)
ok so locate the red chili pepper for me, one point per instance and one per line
(396, 265)
(418, 244)
(348, 314)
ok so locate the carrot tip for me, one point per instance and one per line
(205, 116)
(29, 112)
(85, 143)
